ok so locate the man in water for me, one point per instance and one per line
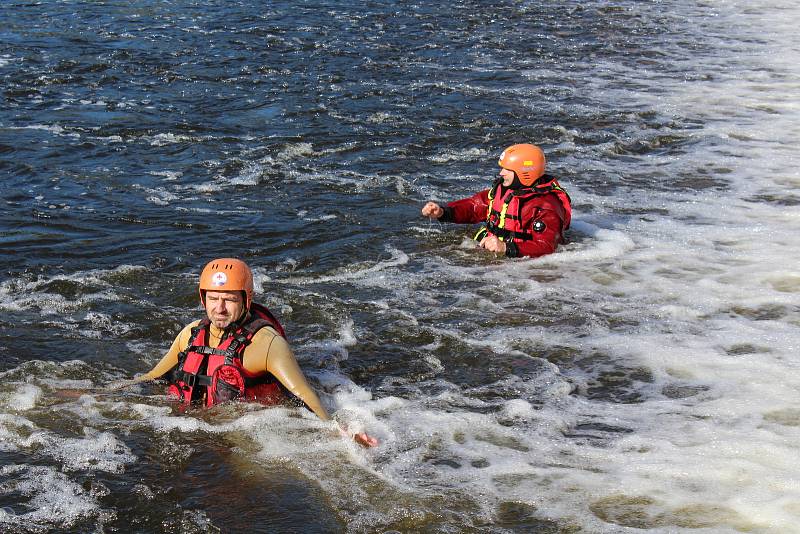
(239, 352)
(524, 213)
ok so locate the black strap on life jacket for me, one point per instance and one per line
(544, 185)
(549, 184)
(242, 338)
(505, 234)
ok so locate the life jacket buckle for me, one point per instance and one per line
(189, 380)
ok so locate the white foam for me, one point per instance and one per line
(97, 451)
(169, 176)
(303, 214)
(159, 195)
(360, 272)
(24, 398)
(11, 427)
(171, 138)
(52, 128)
(55, 501)
(6, 60)
(383, 118)
(467, 154)
(249, 175)
(603, 244)
(292, 152)
(23, 293)
(347, 336)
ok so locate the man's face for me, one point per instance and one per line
(508, 177)
(224, 307)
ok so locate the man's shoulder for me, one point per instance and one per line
(186, 331)
(547, 200)
(542, 205)
(265, 333)
(191, 325)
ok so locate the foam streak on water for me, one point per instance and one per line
(643, 378)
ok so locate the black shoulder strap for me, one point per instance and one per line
(192, 336)
(242, 338)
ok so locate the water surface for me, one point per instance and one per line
(643, 378)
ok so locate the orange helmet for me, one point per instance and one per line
(227, 274)
(525, 160)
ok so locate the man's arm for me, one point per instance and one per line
(281, 363)
(169, 361)
(466, 211)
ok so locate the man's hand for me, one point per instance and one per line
(432, 210)
(365, 440)
(362, 438)
(493, 244)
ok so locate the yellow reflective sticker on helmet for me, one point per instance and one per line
(527, 163)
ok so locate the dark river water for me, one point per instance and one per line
(643, 378)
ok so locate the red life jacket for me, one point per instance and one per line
(216, 375)
(504, 213)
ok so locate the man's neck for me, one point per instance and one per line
(216, 334)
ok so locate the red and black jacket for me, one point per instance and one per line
(214, 375)
(530, 220)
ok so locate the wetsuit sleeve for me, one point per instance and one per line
(170, 359)
(467, 210)
(546, 220)
(271, 353)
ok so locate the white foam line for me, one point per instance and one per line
(398, 258)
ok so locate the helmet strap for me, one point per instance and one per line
(516, 183)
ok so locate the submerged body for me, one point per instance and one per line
(265, 360)
(238, 352)
(524, 213)
(529, 221)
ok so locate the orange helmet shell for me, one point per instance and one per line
(227, 274)
(525, 160)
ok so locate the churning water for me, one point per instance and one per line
(644, 377)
